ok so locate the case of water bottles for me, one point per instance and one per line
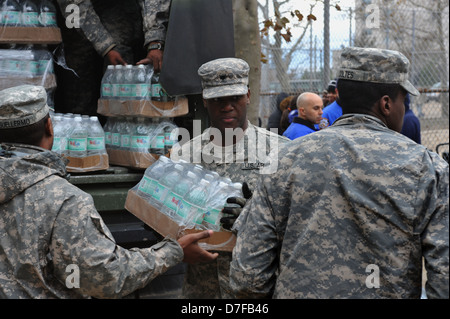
(134, 90)
(26, 21)
(80, 139)
(176, 198)
(138, 141)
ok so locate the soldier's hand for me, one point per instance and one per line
(193, 253)
(232, 213)
(155, 58)
(115, 58)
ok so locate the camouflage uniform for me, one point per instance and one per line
(155, 14)
(346, 204)
(241, 162)
(104, 25)
(48, 224)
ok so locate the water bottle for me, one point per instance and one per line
(142, 85)
(192, 208)
(106, 86)
(107, 128)
(165, 184)
(151, 177)
(140, 140)
(45, 59)
(78, 139)
(11, 13)
(30, 14)
(67, 123)
(170, 137)
(57, 133)
(158, 92)
(157, 142)
(96, 137)
(126, 90)
(173, 199)
(47, 14)
(125, 134)
(117, 81)
(115, 134)
(216, 203)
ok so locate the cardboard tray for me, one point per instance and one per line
(144, 108)
(219, 241)
(88, 164)
(131, 159)
(25, 35)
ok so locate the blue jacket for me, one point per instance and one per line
(299, 127)
(330, 114)
(411, 124)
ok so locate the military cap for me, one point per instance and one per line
(224, 77)
(331, 86)
(22, 106)
(376, 66)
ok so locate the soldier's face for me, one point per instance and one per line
(228, 112)
(395, 119)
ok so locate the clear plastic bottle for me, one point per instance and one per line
(11, 12)
(140, 141)
(142, 85)
(78, 139)
(106, 86)
(125, 134)
(117, 80)
(157, 145)
(128, 85)
(176, 194)
(45, 61)
(30, 14)
(67, 123)
(47, 14)
(166, 183)
(96, 137)
(192, 208)
(107, 128)
(151, 177)
(115, 133)
(57, 133)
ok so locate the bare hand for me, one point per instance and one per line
(153, 57)
(193, 253)
(115, 58)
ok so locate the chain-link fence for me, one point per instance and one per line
(418, 29)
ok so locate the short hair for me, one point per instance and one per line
(360, 97)
(30, 135)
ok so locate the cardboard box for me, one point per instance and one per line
(131, 159)
(48, 81)
(25, 35)
(144, 108)
(219, 241)
(88, 164)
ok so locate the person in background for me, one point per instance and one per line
(355, 209)
(288, 114)
(411, 123)
(232, 147)
(331, 92)
(275, 117)
(310, 112)
(331, 112)
(51, 231)
(325, 98)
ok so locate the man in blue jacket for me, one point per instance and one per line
(309, 106)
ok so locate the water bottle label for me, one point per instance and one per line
(212, 215)
(108, 138)
(156, 90)
(167, 140)
(46, 66)
(184, 209)
(30, 18)
(56, 144)
(116, 90)
(48, 19)
(31, 67)
(125, 140)
(145, 185)
(116, 139)
(11, 17)
(172, 201)
(95, 143)
(142, 91)
(126, 90)
(77, 144)
(160, 192)
(159, 141)
(106, 90)
(64, 142)
(140, 141)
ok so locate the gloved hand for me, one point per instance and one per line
(232, 213)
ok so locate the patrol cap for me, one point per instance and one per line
(376, 66)
(22, 106)
(224, 77)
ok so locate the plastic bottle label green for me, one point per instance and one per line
(95, 143)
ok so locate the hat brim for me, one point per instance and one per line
(224, 90)
(410, 88)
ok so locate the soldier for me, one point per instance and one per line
(232, 147)
(353, 209)
(50, 226)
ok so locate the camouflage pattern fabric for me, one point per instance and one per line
(155, 14)
(224, 77)
(352, 196)
(47, 224)
(376, 66)
(212, 280)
